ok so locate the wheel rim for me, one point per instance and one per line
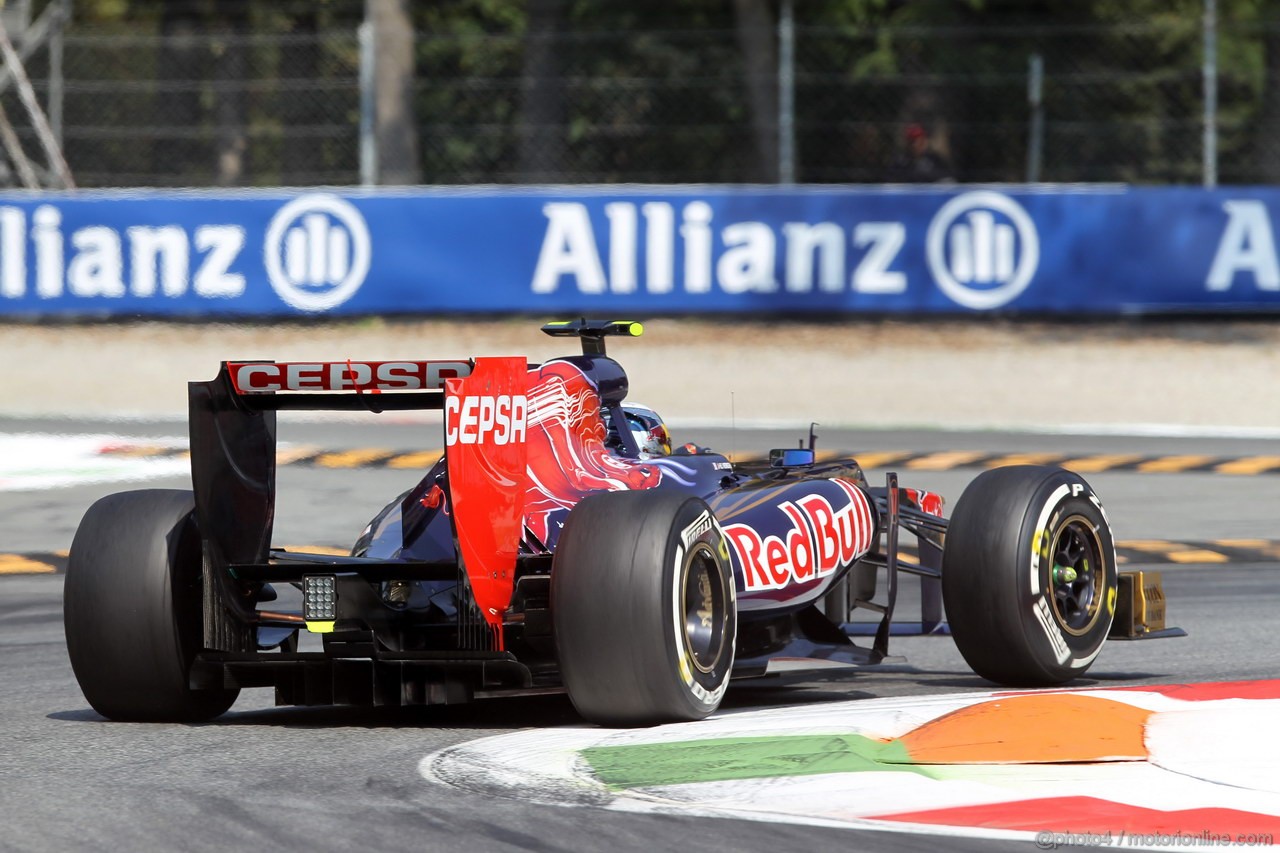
(704, 609)
(1077, 575)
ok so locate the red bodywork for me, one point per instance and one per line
(503, 478)
(485, 445)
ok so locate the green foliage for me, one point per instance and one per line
(657, 91)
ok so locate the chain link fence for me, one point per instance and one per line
(210, 109)
(692, 101)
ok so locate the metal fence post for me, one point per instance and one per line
(56, 81)
(1035, 100)
(1210, 93)
(786, 93)
(368, 138)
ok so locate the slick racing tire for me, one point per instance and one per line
(643, 607)
(132, 608)
(1029, 575)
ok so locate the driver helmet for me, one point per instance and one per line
(648, 430)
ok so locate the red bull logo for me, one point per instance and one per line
(821, 540)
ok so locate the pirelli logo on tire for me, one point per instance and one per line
(699, 527)
(1045, 618)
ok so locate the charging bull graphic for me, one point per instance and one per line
(568, 458)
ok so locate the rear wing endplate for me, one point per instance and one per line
(233, 433)
(486, 424)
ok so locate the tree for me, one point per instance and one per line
(542, 106)
(300, 113)
(758, 44)
(231, 112)
(395, 124)
(182, 65)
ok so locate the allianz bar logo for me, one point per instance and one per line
(316, 253)
(981, 249)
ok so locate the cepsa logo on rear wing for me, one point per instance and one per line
(260, 377)
(489, 419)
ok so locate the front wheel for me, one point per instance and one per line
(1029, 575)
(644, 609)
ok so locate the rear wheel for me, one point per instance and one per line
(132, 608)
(643, 604)
(1029, 575)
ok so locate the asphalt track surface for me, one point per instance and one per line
(286, 778)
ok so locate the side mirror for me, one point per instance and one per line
(790, 457)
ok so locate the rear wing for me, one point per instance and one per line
(232, 421)
(375, 386)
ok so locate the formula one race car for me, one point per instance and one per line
(560, 542)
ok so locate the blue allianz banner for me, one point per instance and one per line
(646, 250)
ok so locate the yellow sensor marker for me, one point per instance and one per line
(320, 627)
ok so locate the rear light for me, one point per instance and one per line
(319, 602)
